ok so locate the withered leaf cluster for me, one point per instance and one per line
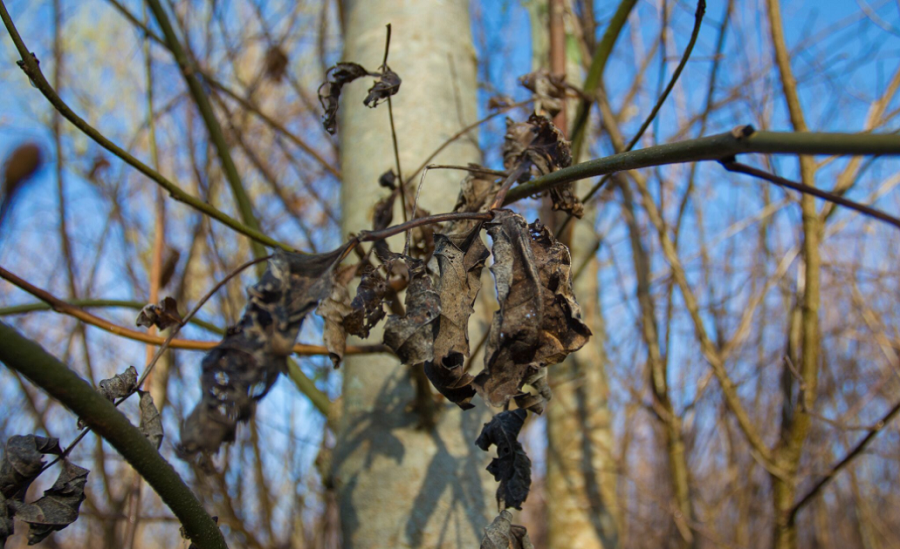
(243, 367)
(535, 148)
(387, 83)
(503, 534)
(123, 385)
(549, 90)
(58, 508)
(511, 468)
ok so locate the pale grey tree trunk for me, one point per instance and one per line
(399, 486)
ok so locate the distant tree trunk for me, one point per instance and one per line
(398, 485)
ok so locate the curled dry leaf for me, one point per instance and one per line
(162, 316)
(539, 146)
(387, 83)
(120, 385)
(151, 421)
(539, 322)
(333, 309)
(503, 534)
(366, 308)
(549, 91)
(58, 507)
(511, 468)
(22, 463)
(276, 63)
(458, 286)
(411, 336)
(330, 90)
(243, 367)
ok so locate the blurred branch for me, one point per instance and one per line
(30, 66)
(245, 207)
(61, 306)
(30, 359)
(856, 451)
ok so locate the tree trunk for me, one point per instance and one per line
(398, 485)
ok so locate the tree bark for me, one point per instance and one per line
(399, 485)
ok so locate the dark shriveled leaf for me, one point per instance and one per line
(22, 462)
(366, 307)
(458, 286)
(386, 85)
(503, 534)
(539, 147)
(151, 421)
(120, 385)
(411, 336)
(549, 90)
(539, 322)
(333, 309)
(58, 507)
(511, 468)
(330, 90)
(162, 316)
(243, 367)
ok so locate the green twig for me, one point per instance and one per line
(716, 147)
(44, 370)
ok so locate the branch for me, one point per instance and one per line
(245, 207)
(857, 450)
(29, 65)
(595, 72)
(65, 308)
(737, 167)
(30, 359)
(741, 140)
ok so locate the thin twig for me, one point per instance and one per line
(857, 450)
(737, 167)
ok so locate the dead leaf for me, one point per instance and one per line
(151, 421)
(458, 287)
(411, 336)
(276, 63)
(168, 267)
(388, 180)
(539, 322)
(511, 468)
(58, 507)
(333, 309)
(241, 369)
(386, 85)
(120, 385)
(549, 91)
(503, 534)
(22, 463)
(499, 101)
(330, 90)
(162, 316)
(367, 307)
(539, 147)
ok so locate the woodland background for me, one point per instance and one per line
(639, 448)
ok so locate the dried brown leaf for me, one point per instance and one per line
(458, 286)
(58, 507)
(22, 462)
(539, 322)
(366, 308)
(512, 467)
(411, 336)
(120, 385)
(243, 367)
(539, 147)
(276, 63)
(330, 90)
(22, 163)
(333, 309)
(151, 421)
(386, 85)
(549, 91)
(162, 316)
(503, 534)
